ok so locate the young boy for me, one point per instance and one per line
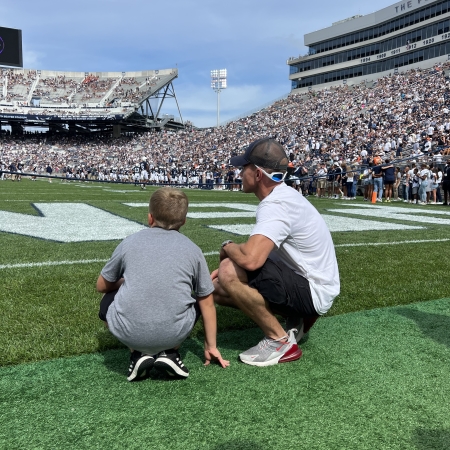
(148, 284)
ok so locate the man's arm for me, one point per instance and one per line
(105, 286)
(250, 255)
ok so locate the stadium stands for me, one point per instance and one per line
(46, 92)
(402, 115)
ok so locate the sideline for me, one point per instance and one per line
(89, 261)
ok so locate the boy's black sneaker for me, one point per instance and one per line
(169, 361)
(139, 364)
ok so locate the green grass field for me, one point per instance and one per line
(374, 372)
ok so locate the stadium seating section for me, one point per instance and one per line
(25, 91)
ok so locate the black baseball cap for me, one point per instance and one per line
(266, 153)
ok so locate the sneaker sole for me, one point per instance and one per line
(168, 366)
(144, 364)
(294, 353)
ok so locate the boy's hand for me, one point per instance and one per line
(213, 355)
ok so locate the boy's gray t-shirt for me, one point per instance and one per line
(153, 309)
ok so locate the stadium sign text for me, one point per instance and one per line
(409, 4)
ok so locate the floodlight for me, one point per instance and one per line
(218, 82)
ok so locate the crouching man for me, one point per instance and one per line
(287, 267)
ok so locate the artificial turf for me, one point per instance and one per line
(375, 379)
(51, 311)
(369, 379)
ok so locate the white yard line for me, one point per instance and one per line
(89, 261)
(51, 263)
(417, 241)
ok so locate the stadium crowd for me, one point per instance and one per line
(66, 91)
(334, 137)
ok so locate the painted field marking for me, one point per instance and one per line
(68, 222)
(243, 210)
(241, 206)
(50, 263)
(89, 261)
(334, 223)
(413, 241)
(429, 209)
(78, 222)
(404, 214)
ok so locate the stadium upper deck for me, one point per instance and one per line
(37, 96)
(410, 34)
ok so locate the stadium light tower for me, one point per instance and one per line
(218, 82)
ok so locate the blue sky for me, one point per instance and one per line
(251, 39)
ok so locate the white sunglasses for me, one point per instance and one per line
(274, 176)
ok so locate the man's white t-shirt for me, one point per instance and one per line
(303, 242)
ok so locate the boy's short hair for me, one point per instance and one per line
(169, 207)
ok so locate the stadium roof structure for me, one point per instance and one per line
(87, 102)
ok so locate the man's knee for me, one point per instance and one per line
(229, 272)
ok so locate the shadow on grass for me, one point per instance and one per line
(117, 359)
(236, 444)
(116, 355)
(431, 439)
(435, 326)
(106, 341)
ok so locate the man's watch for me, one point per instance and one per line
(226, 243)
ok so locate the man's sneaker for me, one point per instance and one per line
(272, 351)
(296, 324)
(300, 325)
(169, 361)
(139, 364)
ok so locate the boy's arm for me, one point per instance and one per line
(208, 311)
(104, 286)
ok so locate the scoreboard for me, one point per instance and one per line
(10, 47)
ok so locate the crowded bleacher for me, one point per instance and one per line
(36, 92)
(402, 117)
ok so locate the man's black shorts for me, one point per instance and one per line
(286, 292)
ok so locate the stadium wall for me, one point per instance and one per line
(406, 35)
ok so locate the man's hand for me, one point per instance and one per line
(222, 255)
(214, 274)
(213, 355)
